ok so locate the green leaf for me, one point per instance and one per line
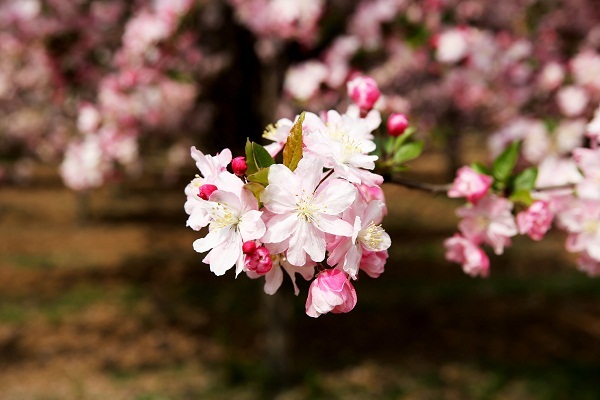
(292, 152)
(525, 180)
(408, 152)
(403, 138)
(261, 177)
(257, 157)
(255, 188)
(480, 168)
(505, 163)
(522, 196)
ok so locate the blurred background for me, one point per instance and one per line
(101, 293)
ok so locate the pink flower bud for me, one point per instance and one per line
(206, 191)
(259, 260)
(536, 220)
(470, 184)
(397, 124)
(363, 91)
(249, 247)
(239, 166)
(330, 291)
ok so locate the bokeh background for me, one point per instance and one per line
(101, 293)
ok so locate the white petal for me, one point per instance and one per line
(251, 227)
(333, 225)
(278, 199)
(334, 196)
(280, 227)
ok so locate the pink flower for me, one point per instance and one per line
(582, 221)
(536, 220)
(363, 91)
(304, 209)
(470, 184)
(572, 100)
(368, 235)
(331, 291)
(373, 262)
(489, 221)
(463, 251)
(233, 221)
(452, 46)
(589, 265)
(397, 124)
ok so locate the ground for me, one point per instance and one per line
(119, 306)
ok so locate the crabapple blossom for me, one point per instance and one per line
(572, 100)
(470, 184)
(536, 220)
(489, 221)
(347, 252)
(452, 46)
(582, 221)
(233, 221)
(331, 291)
(304, 209)
(373, 262)
(463, 251)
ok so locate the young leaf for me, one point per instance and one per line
(480, 168)
(408, 152)
(262, 177)
(257, 157)
(522, 196)
(255, 188)
(525, 180)
(292, 152)
(505, 163)
(403, 138)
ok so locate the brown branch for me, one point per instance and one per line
(444, 187)
(425, 187)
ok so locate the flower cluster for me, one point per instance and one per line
(317, 213)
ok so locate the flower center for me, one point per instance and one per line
(590, 227)
(372, 236)
(305, 208)
(223, 216)
(269, 132)
(350, 147)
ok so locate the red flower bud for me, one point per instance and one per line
(249, 247)
(239, 166)
(206, 191)
(397, 124)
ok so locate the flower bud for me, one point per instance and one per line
(249, 247)
(239, 166)
(259, 261)
(206, 191)
(397, 124)
(363, 91)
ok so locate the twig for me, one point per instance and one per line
(444, 187)
(425, 187)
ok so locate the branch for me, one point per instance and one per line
(443, 188)
(425, 187)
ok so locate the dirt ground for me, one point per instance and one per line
(119, 306)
